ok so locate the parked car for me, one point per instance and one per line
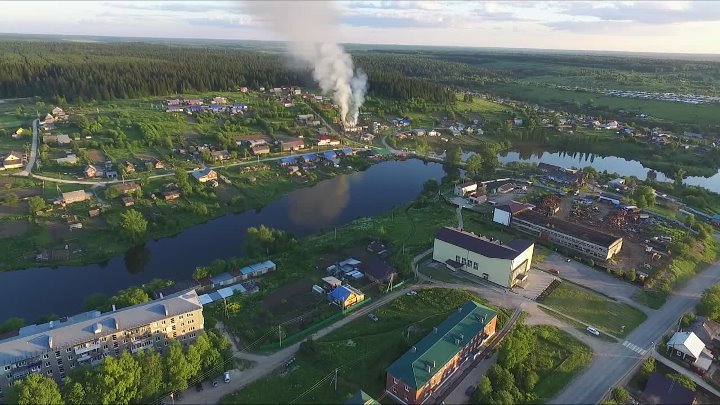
(470, 390)
(227, 376)
(373, 317)
(411, 293)
(568, 260)
(214, 383)
(593, 331)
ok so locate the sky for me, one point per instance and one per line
(637, 26)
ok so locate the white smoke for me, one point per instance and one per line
(309, 29)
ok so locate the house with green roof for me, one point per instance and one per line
(361, 398)
(432, 361)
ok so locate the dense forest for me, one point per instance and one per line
(103, 71)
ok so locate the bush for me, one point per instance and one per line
(620, 395)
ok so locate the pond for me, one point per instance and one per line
(40, 291)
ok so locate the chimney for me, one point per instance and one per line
(434, 329)
(429, 368)
(50, 341)
(117, 324)
(462, 337)
(113, 308)
(459, 310)
(165, 310)
(433, 364)
(414, 349)
(51, 324)
(484, 317)
(457, 342)
(161, 295)
(98, 328)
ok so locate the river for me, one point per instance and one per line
(40, 291)
(623, 167)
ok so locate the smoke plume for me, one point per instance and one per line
(310, 32)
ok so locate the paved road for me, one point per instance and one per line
(608, 369)
(33, 151)
(277, 359)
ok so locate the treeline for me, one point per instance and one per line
(126, 70)
(140, 379)
(104, 71)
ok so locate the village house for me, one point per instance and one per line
(260, 149)
(194, 101)
(171, 195)
(325, 140)
(173, 109)
(433, 132)
(12, 160)
(238, 108)
(127, 188)
(73, 197)
(92, 171)
(219, 100)
(173, 102)
(291, 145)
(346, 296)
(195, 109)
(217, 108)
(505, 265)
(709, 333)
(689, 347)
(60, 139)
(463, 189)
(70, 159)
(431, 362)
(366, 137)
(243, 89)
(377, 270)
(59, 114)
(220, 155)
(154, 164)
(205, 175)
(129, 167)
(128, 201)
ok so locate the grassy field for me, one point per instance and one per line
(362, 351)
(594, 309)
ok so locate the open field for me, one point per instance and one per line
(594, 309)
(362, 350)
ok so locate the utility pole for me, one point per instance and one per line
(280, 335)
(336, 375)
(336, 232)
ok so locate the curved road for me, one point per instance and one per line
(33, 151)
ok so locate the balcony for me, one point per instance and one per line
(86, 347)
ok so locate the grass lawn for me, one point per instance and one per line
(362, 351)
(594, 309)
(651, 298)
(567, 356)
(444, 275)
(577, 325)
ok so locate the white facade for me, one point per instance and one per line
(501, 217)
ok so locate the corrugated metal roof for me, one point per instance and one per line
(478, 245)
(439, 347)
(687, 342)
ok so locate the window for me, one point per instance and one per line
(68, 350)
(60, 363)
(57, 353)
(475, 266)
(166, 343)
(114, 337)
(72, 366)
(172, 320)
(394, 390)
(407, 388)
(464, 261)
(105, 347)
(7, 368)
(115, 345)
(157, 338)
(49, 372)
(117, 352)
(192, 334)
(45, 356)
(457, 259)
(62, 370)
(70, 357)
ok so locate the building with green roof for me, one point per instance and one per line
(361, 398)
(413, 377)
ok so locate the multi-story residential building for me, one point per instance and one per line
(505, 265)
(423, 369)
(580, 239)
(56, 347)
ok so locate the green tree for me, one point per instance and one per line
(679, 176)
(644, 196)
(36, 389)
(648, 366)
(709, 304)
(502, 379)
(129, 297)
(73, 392)
(474, 166)
(183, 181)
(453, 155)
(11, 199)
(96, 301)
(36, 204)
(133, 224)
(210, 357)
(151, 369)
(111, 193)
(177, 368)
(620, 395)
(11, 324)
(687, 320)
(116, 381)
(262, 240)
(431, 186)
(517, 346)
(484, 389)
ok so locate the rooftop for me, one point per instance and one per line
(480, 245)
(575, 230)
(439, 346)
(33, 340)
(514, 207)
(689, 343)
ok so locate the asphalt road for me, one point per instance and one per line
(610, 367)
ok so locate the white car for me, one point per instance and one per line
(593, 331)
(227, 376)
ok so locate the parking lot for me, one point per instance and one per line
(588, 277)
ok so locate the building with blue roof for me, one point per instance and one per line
(330, 155)
(195, 109)
(310, 157)
(347, 151)
(173, 108)
(288, 161)
(346, 296)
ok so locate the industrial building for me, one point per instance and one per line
(505, 265)
(413, 377)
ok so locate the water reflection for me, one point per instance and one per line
(320, 205)
(137, 258)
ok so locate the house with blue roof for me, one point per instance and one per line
(194, 109)
(216, 108)
(310, 157)
(346, 296)
(330, 155)
(173, 108)
(423, 369)
(288, 161)
(347, 151)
